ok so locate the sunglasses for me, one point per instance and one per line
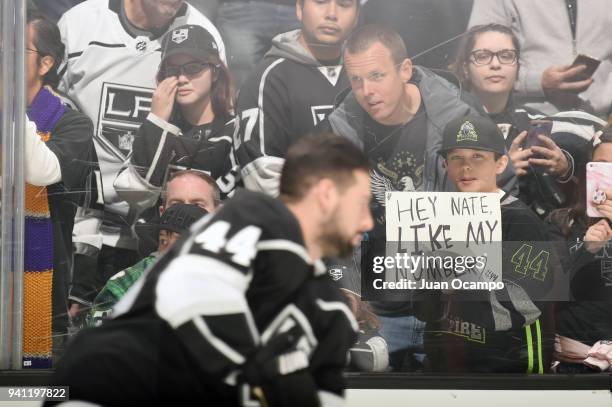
(190, 69)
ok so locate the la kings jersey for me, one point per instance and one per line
(242, 278)
(284, 98)
(110, 76)
(162, 148)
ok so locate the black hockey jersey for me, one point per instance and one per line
(509, 330)
(161, 148)
(242, 278)
(284, 98)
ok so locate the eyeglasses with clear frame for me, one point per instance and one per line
(485, 56)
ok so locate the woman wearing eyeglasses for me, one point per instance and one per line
(190, 125)
(487, 66)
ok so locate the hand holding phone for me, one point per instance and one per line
(537, 128)
(562, 83)
(591, 65)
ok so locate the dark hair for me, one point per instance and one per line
(467, 44)
(357, 3)
(315, 157)
(200, 174)
(221, 91)
(48, 42)
(576, 212)
(364, 37)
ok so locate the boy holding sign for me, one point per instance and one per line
(498, 331)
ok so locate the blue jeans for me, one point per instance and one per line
(247, 28)
(404, 336)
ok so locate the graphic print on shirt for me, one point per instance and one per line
(606, 264)
(468, 330)
(123, 108)
(402, 172)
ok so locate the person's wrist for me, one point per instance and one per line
(566, 175)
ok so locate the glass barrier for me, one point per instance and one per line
(489, 252)
(12, 113)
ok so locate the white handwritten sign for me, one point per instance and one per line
(443, 229)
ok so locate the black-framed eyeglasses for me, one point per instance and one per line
(189, 69)
(485, 56)
(33, 50)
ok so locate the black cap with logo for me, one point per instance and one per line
(192, 40)
(179, 217)
(474, 132)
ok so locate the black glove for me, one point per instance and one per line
(278, 373)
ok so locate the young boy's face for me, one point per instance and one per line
(474, 170)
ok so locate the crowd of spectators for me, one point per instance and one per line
(145, 115)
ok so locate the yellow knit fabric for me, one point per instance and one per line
(37, 340)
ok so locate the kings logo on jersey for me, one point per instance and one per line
(123, 109)
(319, 113)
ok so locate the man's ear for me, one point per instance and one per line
(501, 164)
(45, 65)
(405, 70)
(327, 195)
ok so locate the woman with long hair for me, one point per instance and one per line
(586, 318)
(191, 121)
(487, 66)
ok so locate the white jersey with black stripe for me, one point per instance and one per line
(109, 74)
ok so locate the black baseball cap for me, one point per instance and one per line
(193, 40)
(179, 217)
(474, 132)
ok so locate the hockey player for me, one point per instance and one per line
(241, 311)
(112, 55)
(505, 331)
(292, 90)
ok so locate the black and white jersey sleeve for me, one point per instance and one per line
(263, 128)
(236, 272)
(161, 147)
(281, 101)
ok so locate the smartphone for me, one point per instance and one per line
(536, 128)
(591, 66)
(598, 179)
